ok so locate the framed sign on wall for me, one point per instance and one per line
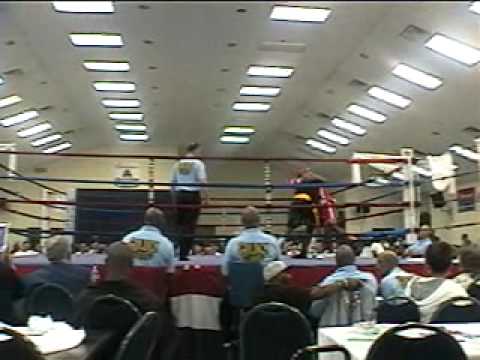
(466, 199)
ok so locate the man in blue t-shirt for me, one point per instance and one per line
(252, 245)
(150, 247)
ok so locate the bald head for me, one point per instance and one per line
(119, 256)
(154, 217)
(250, 217)
(387, 261)
(345, 256)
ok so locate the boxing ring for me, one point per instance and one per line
(198, 286)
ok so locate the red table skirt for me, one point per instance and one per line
(208, 280)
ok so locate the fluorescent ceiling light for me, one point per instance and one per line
(349, 126)
(106, 65)
(417, 77)
(131, 127)
(103, 7)
(19, 118)
(270, 71)
(299, 13)
(465, 152)
(57, 148)
(2, 81)
(122, 86)
(454, 49)
(230, 139)
(389, 97)
(134, 137)
(259, 91)
(96, 39)
(46, 140)
(475, 7)
(251, 106)
(10, 100)
(126, 116)
(321, 146)
(240, 130)
(366, 113)
(342, 140)
(34, 130)
(121, 103)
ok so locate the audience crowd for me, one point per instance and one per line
(333, 301)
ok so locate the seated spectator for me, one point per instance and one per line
(279, 288)
(211, 249)
(430, 292)
(59, 270)
(81, 248)
(11, 290)
(470, 265)
(118, 265)
(150, 247)
(197, 249)
(252, 245)
(424, 240)
(343, 308)
(394, 279)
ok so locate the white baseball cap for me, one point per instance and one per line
(273, 269)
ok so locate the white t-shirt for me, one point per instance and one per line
(188, 171)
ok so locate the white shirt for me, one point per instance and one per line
(188, 171)
(449, 289)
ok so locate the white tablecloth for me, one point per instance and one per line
(60, 337)
(358, 345)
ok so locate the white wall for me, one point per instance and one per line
(449, 216)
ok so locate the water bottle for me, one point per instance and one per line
(94, 275)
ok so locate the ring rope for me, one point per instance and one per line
(212, 185)
(33, 181)
(209, 206)
(33, 216)
(216, 158)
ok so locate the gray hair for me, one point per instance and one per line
(58, 248)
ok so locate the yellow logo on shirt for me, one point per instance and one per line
(185, 167)
(143, 249)
(252, 252)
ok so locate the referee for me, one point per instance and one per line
(186, 171)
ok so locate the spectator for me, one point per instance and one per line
(341, 308)
(252, 245)
(423, 242)
(466, 242)
(118, 265)
(393, 278)
(279, 288)
(197, 249)
(430, 292)
(150, 247)
(59, 270)
(470, 265)
(11, 289)
(211, 249)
